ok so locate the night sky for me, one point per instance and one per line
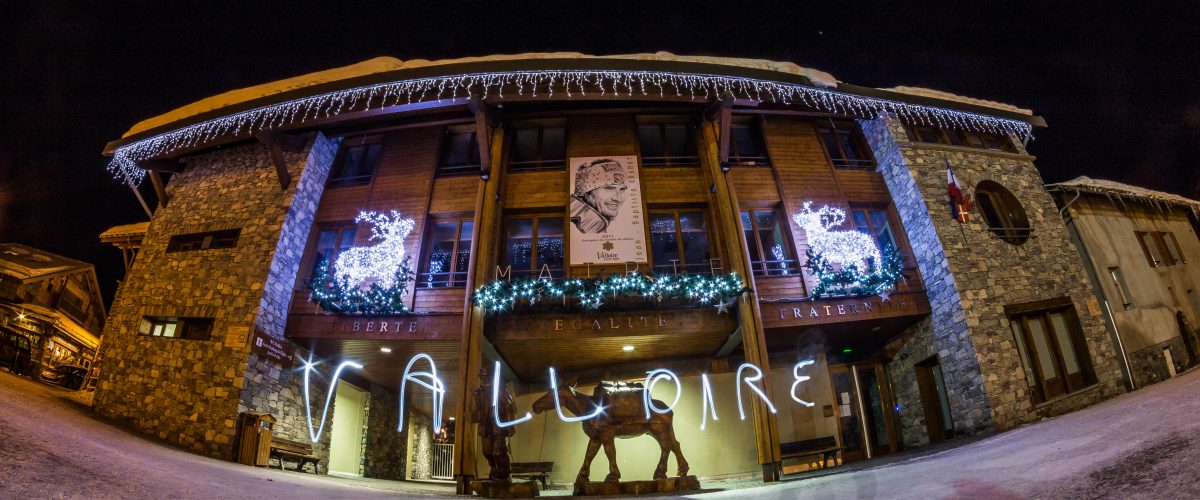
(1118, 84)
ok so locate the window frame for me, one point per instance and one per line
(205, 240)
(667, 159)
(1002, 143)
(1041, 390)
(340, 228)
(1177, 256)
(682, 265)
(834, 128)
(873, 234)
(452, 280)
(541, 164)
(758, 136)
(1118, 282)
(339, 161)
(759, 268)
(536, 267)
(183, 327)
(443, 169)
(1009, 231)
(1154, 249)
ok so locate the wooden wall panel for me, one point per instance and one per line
(673, 185)
(754, 184)
(439, 299)
(536, 190)
(600, 135)
(454, 194)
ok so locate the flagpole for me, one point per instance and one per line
(954, 203)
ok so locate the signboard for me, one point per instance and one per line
(806, 312)
(271, 348)
(415, 327)
(608, 324)
(607, 223)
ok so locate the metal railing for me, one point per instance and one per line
(772, 268)
(442, 464)
(442, 280)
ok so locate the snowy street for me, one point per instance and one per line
(1139, 445)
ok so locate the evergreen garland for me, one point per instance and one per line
(850, 281)
(329, 293)
(501, 296)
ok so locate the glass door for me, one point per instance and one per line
(845, 401)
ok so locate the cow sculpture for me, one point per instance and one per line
(838, 247)
(379, 262)
(623, 417)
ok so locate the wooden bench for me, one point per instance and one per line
(532, 470)
(302, 453)
(825, 447)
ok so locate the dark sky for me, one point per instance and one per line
(1118, 84)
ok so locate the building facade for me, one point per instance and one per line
(51, 315)
(1137, 244)
(782, 243)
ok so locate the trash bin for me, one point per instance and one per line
(255, 445)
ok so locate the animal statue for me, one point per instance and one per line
(379, 262)
(623, 417)
(838, 247)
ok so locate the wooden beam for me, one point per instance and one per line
(159, 188)
(735, 339)
(162, 165)
(475, 104)
(276, 143)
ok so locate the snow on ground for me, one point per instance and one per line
(1139, 445)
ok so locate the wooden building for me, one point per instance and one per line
(1138, 245)
(604, 216)
(51, 314)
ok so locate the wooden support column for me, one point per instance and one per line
(276, 143)
(488, 213)
(754, 345)
(160, 189)
(483, 123)
(153, 167)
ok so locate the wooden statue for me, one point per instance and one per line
(493, 438)
(623, 417)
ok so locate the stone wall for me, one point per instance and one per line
(916, 345)
(1149, 365)
(422, 443)
(386, 453)
(188, 392)
(970, 275)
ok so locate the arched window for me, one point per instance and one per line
(1002, 212)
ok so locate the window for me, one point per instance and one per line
(1053, 353)
(1002, 212)
(965, 138)
(679, 242)
(1122, 290)
(537, 148)
(666, 145)
(448, 255)
(180, 328)
(460, 152)
(1160, 247)
(535, 244)
(845, 145)
(331, 242)
(770, 253)
(355, 162)
(746, 144)
(204, 241)
(874, 223)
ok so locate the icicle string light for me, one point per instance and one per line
(527, 83)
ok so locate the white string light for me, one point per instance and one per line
(653, 377)
(749, 381)
(428, 380)
(309, 367)
(558, 404)
(620, 83)
(706, 401)
(496, 401)
(800, 378)
(380, 262)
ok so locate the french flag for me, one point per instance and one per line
(960, 204)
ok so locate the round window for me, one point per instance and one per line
(1004, 215)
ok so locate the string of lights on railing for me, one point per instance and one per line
(501, 296)
(123, 165)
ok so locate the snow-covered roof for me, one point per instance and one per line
(946, 96)
(125, 231)
(1113, 188)
(385, 64)
(27, 263)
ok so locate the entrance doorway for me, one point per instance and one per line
(933, 400)
(346, 435)
(864, 401)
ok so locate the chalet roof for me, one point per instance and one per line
(125, 232)
(28, 263)
(1086, 184)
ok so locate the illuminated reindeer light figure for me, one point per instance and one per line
(379, 262)
(844, 248)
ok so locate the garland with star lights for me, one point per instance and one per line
(850, 280)
(124, 161)
(503, 296)
(336, 296)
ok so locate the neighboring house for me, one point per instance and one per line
(51, 314)
(696, 165)
(1143, 257)
(127, 238)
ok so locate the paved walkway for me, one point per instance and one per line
(1139, 445)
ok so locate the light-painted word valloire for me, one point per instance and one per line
(748, 375)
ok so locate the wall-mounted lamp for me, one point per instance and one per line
(726, 167)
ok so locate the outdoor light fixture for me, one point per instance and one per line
(385, 349)
(627, 348)
(726, 167)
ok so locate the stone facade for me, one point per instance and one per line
(385, 456)
(422, 444)
(916, 345)
(970, 275)
(189, 392)
(1149, 365)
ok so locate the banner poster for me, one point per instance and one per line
(607, 223)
